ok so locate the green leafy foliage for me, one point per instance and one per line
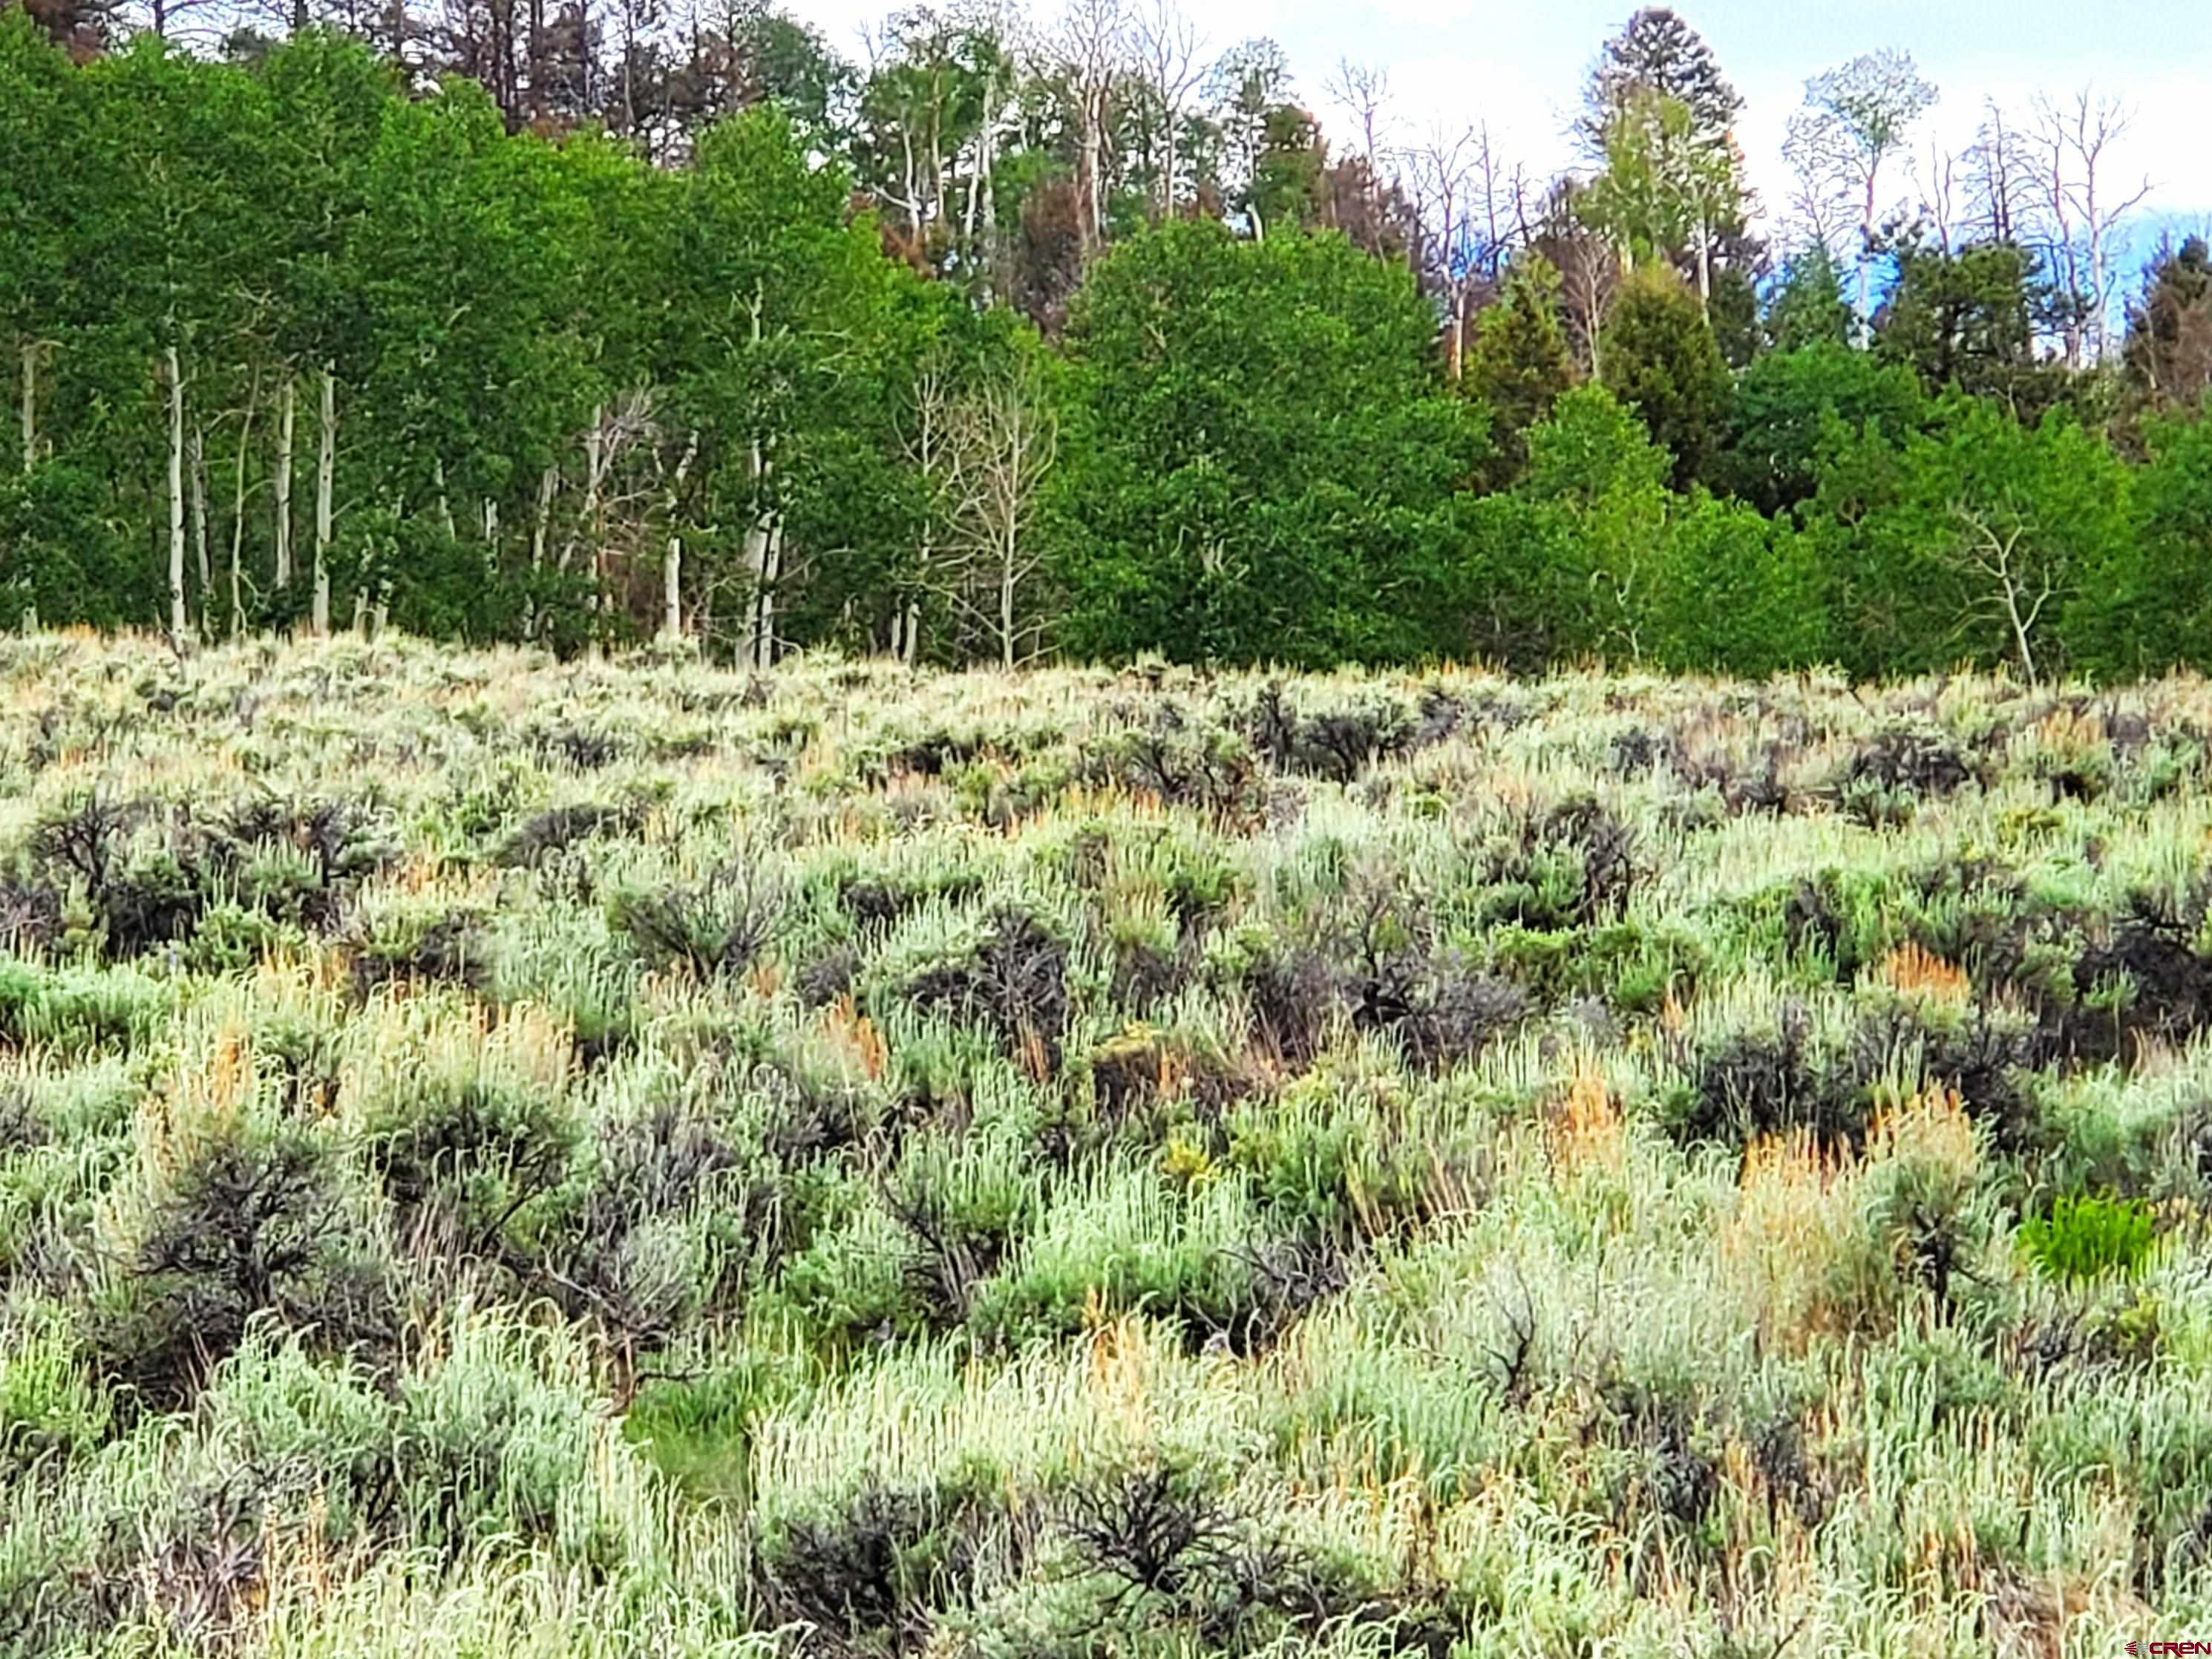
(1269, 457)
(2085, 1237)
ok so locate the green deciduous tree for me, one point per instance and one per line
(1980, 540)
(783, 343)
(1783, 408)
(2150, 608)
(1270, 459)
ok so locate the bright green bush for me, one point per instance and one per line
(2086, 1237)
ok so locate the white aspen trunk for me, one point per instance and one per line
(1705, 267)
(937, 153)
(491, 536)
(990, 212)
(546, 482)
(238, 510)
(326, 467)
(913, 195)
(288, 408)
(361, 611)
(1007, 570)
(445, 505)
(910, 641)
(759, 534)
(540, 527)
(671, 563)
(594, 452)
(764, 635)
(1089, 182)
(30, 350)
(1099, 162)
(175, 372)
(196, 457)
(763, 538)
(974, 178)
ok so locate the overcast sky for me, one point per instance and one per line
(1520, 66)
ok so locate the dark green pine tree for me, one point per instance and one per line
(1656, 51)
(1518, 365)
(1808, 306)
(2169, 347)
(1661, 360)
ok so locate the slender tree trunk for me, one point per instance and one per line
(1168, 178)
(175, 372)
(761, 537)
(238, 509)
(671, 563)
(2099, 282)
(1866, 263)
(1007, 570)
(913, 189)
(990, 244)
(672, 588)
(937, 208)
(1705, 267)
(975, 178)
(1597, 329)
(764, 536)
(287, 411)
(197, 459)
(326, 467)
(445, 503)
(540, 527)
(30, 350)
(594, 449)
(910, 641)
(772, 567)
(1087, 181)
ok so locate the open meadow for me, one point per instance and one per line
(500, 1156)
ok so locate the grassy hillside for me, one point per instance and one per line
(502, 1157)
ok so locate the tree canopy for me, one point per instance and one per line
(1021, 341)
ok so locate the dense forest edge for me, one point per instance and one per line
(509, 1156)
(1059, 338)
